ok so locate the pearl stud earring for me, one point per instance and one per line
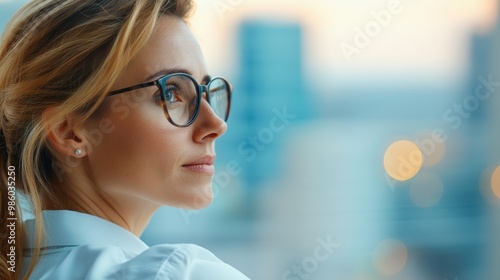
(78, 152)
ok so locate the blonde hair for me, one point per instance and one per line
(64, 54)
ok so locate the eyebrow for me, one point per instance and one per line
(165, 72)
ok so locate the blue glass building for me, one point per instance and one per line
(269, 97)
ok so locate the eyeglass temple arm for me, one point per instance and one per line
(132, 88)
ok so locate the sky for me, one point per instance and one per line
(426, 37)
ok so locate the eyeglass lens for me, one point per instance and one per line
(181, 98)
(219, 98)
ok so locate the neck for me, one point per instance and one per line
(132, 214)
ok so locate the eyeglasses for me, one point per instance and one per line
(181, 97)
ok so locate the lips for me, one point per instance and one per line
(204, 164)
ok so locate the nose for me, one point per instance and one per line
(208, 126)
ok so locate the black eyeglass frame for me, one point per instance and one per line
(200, 89)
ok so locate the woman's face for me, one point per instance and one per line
(136, 155)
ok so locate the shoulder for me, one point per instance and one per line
(166, 261)
(180, 261)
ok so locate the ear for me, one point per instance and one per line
(64, 137)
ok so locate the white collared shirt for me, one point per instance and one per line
(83, 246)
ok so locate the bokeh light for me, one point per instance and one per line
(495, 182)
(390, 257)
(426, 190)
(403, 160)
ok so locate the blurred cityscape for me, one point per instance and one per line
(298, 175)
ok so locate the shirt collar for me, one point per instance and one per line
(70, 228)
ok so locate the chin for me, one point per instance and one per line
(201, 198)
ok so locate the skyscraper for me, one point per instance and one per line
(269, 96)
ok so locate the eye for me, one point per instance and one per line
(174, 95)
(171, 94)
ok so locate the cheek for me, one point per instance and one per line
(141, 153)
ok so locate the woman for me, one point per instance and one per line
(108, 113)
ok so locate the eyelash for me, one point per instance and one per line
(157, 96)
